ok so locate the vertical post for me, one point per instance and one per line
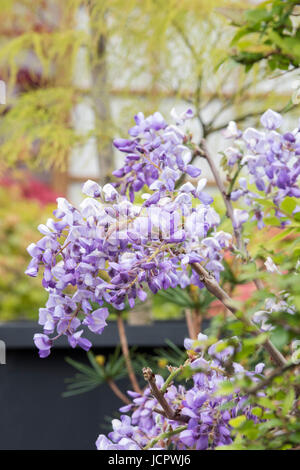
(101, 102)
(2, 352)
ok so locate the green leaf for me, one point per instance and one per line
(267, 403)
(241, 33)
(226, 388)
(279, 337)
(272, 221)
(257, 411)
(283, 234)
(288, 402)
(258, 15)
(238, 421)
(288, 205)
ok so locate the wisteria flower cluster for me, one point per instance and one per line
(157, 156)
(272, 161)
(203, 412)
(110, 249)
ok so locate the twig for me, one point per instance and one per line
(187, 42)
(259, 284)
(241, 118)
(214, 288)
(205, 153)
(169, 380)
(118, 392)
(125, 351)
(226, 197)
(159, 395)
(277, 372)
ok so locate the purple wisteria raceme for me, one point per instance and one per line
(272, 162)
(156, 156)
(206, 414)
(111, 251)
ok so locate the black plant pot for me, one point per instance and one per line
(34, 415)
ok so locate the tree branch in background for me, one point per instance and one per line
(114, 387)
(125, 351)
(101, 101)
(190, 323)
(245, 116)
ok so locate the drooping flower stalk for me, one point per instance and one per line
(272, 163)
(110, 249)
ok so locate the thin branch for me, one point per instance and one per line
(273, 351)
(159, 395)
(118, 392)
(203, 151)
(269, 379)
(174, 372)
(242, 118)
(125, 351)
(214, 288)
(187, 42)
(227, 104)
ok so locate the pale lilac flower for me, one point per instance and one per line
(180, 118)
(271, 120)
(43, 343)
(231, 131)
(96, 320)
(272, 164)
(240, 217)
(91, 188)
(271, 266)
(205, 411)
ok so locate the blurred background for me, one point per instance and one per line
(75, 73)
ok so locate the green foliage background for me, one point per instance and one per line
(20, 297)
(147, 54)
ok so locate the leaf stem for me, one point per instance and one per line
(173, 374)
(165, 435)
